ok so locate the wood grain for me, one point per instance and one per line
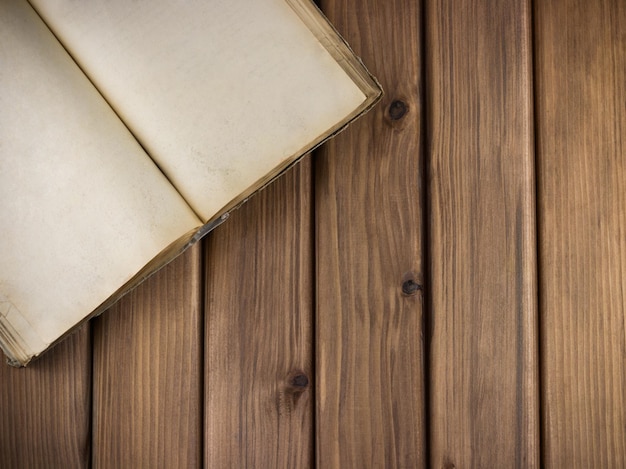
(483, 357)
(258, 361)
(581, 129)
(45, 409)
(147, 409)
(368, 207)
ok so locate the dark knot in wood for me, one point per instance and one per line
(398, 109)
(300, 381)
(410, 287)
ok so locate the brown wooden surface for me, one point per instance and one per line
(45, 409)
(258, 346)
(483, 358)
(377, 305)
(147, 372)
(581, 129)
(368, 194)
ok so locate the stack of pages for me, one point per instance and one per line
(130, 128)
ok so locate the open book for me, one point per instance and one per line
(128, 129)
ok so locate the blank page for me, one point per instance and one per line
(82, 206)
(221, 93)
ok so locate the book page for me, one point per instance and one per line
(221, 93)
(82, 207)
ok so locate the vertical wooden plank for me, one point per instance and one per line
(483, 358)
(368, 195)
(581, 129)
(45, 409)
(258, 361)
(147, 372)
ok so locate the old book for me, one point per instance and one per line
(130, 129)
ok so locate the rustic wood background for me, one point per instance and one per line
(442, 285)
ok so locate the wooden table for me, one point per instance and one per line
(441, 285)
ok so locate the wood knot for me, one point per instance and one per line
(410, 287)
(300, 381)
(398, 109)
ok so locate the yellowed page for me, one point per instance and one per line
(219, 92)
(82, 207)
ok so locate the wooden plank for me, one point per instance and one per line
(258, 360)
(45, 408)
(483, 357)
(581, 113)
(148, 372)
(368, 188)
